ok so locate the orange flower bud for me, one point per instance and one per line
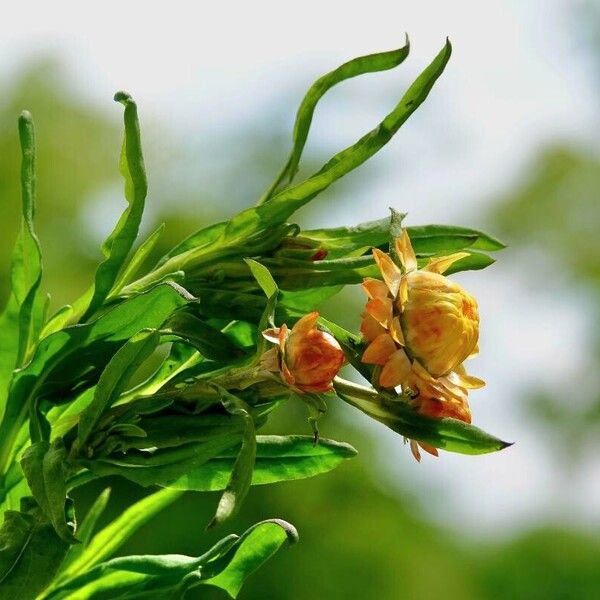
(421, 327)
(440, 321)
(309, 358)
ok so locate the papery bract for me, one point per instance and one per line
(421, 327)
(307, 357)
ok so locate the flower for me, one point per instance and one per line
(306, 357)
(421, 327)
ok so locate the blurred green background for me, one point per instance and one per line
(523, 524)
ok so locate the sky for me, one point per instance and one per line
(518, 79)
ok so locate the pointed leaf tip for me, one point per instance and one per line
(25, 116)
(290, 530)
(123, 97)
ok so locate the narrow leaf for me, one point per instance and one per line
(447, 434)
(155, 577)
(278, 458)
(52, 372)
(263, 277)
(118, 244)
(210, 342)
(115, 378)
(137, 260)
(30, 552)
(254, 548)
(241, 473)
(108, 540)
(441, 238)
(45, 468)
(23, 313)
(289, 200)
(358, 66)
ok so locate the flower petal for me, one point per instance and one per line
(283, 335)
(306, 323)
(443, 263)
(414, 448)
(375, 288)
(287, 374)
(271, 335)
(405, 252)
(421, 372)
(396, 370)
(269, 361)
(396, 331)
(378, 352)
(460, 377)
(370, 327)
(390, 272)
(380, 309)
(403, 293)
(429, 449)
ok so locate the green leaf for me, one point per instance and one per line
(54, 375)
(358, 66)
(340, 241)
(9, 349)
(427, 240)
(289, 200)
(241, 472)
(21, 319)
(210, 342)
(118, 244)
(198, 240)
(155, 577)
(292, 274)
(260, 229)
(269, 287)
(45, 468)
(138, 259)
(115, 377)
(253, 549)
(86, 530)
(174, 430)
(108, 540)
(30, 552)
(278, 458)
(436, 239)
(227, 304)
(180, 357)
(263, 277)
(165, 465)
(352, 345)
(58, 320)
(299, 275)
(27, 260)
(447, 434)
(308, 299)
(474, 262)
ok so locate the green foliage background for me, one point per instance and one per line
(358, 540)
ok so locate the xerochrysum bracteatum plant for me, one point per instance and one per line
(236, 304)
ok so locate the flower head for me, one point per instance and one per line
(306, 357)
(421, 327)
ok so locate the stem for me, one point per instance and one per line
(354, 389)
(365, 399)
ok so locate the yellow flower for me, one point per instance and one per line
(421, 327)
(306, 357)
